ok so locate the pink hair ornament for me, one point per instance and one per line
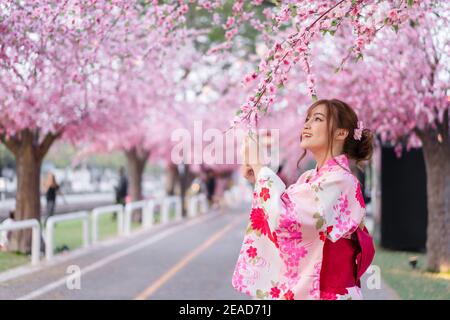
(358, 131)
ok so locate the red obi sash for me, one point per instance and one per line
(345, 261)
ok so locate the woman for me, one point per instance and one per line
(51, 189)
(210, 185)
(308, 241)
(5, 236)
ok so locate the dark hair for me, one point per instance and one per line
(341, 116)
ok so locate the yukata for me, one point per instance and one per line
(307, 241)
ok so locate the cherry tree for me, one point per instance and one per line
(50, 62)
(41, 92)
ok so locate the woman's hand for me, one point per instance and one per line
(248, 173)
(251, 158)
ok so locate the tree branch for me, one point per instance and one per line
(12, 143)
(45, 145)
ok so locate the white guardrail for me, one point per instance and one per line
(50, 227)
(97, 212)
(198, 204)
(168, 202)
(230, 199)
(148, 208)
(203, 208)
(129, 209)
(237, 194)
(35, 235)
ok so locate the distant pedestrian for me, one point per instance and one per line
(122, 187)
(5, 236)
(51, 188)
(210, 185)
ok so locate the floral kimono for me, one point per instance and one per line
(307, 241)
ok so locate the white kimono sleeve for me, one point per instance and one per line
(341, 205)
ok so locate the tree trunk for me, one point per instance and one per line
(437, 164)
(136, 161)
(178, 183)
(28, 204)
(171, 178)
(185, 181)
(29, 153)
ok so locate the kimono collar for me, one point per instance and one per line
(341, 159)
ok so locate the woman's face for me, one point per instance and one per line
(314, 135)
(50, 177)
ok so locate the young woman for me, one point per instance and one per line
(51, 188)
(308, 241)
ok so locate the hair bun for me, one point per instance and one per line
(361, 150)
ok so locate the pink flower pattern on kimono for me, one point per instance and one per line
(238, 282)
(238, 278)
(343, 205)
(288, 204)
(259, 221)
(244, 275)
(342, 215)
(291, 252)
(315, 288)
(289, 295)
(264, 194)
(290, 239)
(252, 252)
(290, 228)
(344, 224)
(275, 292)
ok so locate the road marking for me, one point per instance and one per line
(183, 262)
(115, 256)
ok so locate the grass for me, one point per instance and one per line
(409, 283)
(10, 260)
(157, 216)
(69, 234)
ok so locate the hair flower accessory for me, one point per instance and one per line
(358, 131)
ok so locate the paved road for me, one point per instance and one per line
(193, 259)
